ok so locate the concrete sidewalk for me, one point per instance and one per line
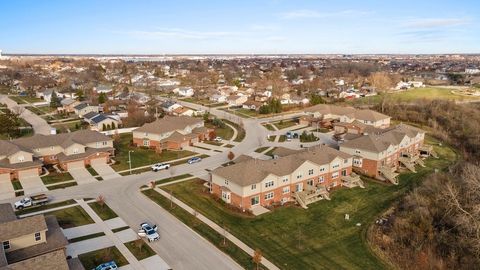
(217, 228)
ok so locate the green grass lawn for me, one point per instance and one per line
(285, 124)
(16, 184)
(318, 237)
(86, 237)
(103, 211)
(226, 132)
(92, 259)
(282, 138)
(64, 127)
(240, 131)
(44, 207)
(25, 99)
(261, 149)
(72, 217)
(170, 179)
(140, 252)
(64, 185)
(140, 156)
(55, 177)
(269, 127)
(250, 113)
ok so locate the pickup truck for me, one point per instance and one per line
(160, 166)
(149, 231)
(39, 199)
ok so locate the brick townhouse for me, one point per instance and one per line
(25, 157)
(253, 182)
(172, 133)
(379, 154)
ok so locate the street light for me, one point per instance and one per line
(130, 161)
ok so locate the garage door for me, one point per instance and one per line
(28, 173)
(102, 160)
(6, 187)
(75, 165)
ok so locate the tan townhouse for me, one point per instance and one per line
(379, 154)
(24, 157)
(304, 176)
(172, 133)
(35, 242)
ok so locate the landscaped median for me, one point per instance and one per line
(92, 259)
(294, 238)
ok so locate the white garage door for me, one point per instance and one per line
(6, 187)
(102, 160)
(75, 165)
(28, 173)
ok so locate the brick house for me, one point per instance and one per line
(35, 242)
(172, 133)
(253, 182)
(24, 157)
(381, 153)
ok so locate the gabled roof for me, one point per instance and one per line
(20, 227)
(169, 124)
(253, 171)
(370, 115)
(90, 115)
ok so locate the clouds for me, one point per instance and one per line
(308, 14)
(436, 22)
(432, 29)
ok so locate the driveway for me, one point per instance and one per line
(6, 187)
(32, 184)
(81, 175)
(40, 126)
(104, 170)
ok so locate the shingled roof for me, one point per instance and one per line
(254, 171)
(169, 124)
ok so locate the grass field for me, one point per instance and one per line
(64, 185)
(140, 156)
(226, 132)
(319, 237)
(72, 217)
(103, 211)
(92, 259)
(140, 252)
(55, 177)
(285, 124)
(240, 131)
(25, 99)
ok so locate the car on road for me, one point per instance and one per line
(218, 139)
(149, 232)
(107, 266)
(160, 166)
(194, 160)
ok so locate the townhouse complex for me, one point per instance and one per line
(380, 153)
(171, 133)
(304, 175)
(35, 242)
(328, 115)
(24, 157)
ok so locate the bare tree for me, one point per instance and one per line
(101, 200)
(257, 257)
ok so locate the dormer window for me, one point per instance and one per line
(21, 158)
(6, 245)
(38, 236)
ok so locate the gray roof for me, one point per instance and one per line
(6, 213)
(254, 171)
(168, 124)
(90, 115)
(98, 118)
(20, 227)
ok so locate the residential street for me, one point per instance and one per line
(40, 126)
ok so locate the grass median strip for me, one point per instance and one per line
(92, 259)
(64, 185)
(237, 254)
(103, 210)
(261, 149)
(140, 249)
(120, 229)
(86, 237)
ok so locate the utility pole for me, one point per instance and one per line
(130, 161)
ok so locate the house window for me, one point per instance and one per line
(37, 150)
(334, 175)
(335, 166)
(310, 172)
(104, 143)
(322, 169)
(321, 179)
(97, 144)
(345, 161)
(286, 190)
(254, 186)
(75, 151)
(146, 143)
(6, 245)
(269, 196)
(269, 184)
(38, 237)
(299, 176)
(226, 182)
(357, 152)
(146, 134)
(21, 158)
(254, 200)
(51, 147)
(285, 180)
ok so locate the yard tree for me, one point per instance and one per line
(257, 257)
(9, 124)
(101, 200)
(102, 98)
(113, 125)
(231, 155)
(104, 127)
(139, 243)
(80, 95)
(316, 99)
(380, 80)
(55, 100)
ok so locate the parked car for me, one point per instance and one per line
(107, 266)
(148, 231)
(194, 160)
(218, 139)
(160, 166)
(39, 199)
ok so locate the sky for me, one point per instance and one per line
(239, 27)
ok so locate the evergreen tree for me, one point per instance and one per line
(55, 100)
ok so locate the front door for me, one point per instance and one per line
(344, 173)
(299, 187)
(255, 200)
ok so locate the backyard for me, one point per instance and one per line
(319, 237)
(141, 156)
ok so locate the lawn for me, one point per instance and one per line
(65, 127)
(285, 124)
(319, 237)
(282, 138)
(86, 237)
(41, 110)
(250, 113)
(44, 207)
(226, 132)
(16, 184)
(92, 259)
(170, 179)
(141, 156)
(103, 211)
(261, 149)
(269, 127)
(72, 217)
(25, 99)
(140, 249)
(241, 132)
(55, 177)
(64, 185)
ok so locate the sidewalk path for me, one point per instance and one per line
(217, 228)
